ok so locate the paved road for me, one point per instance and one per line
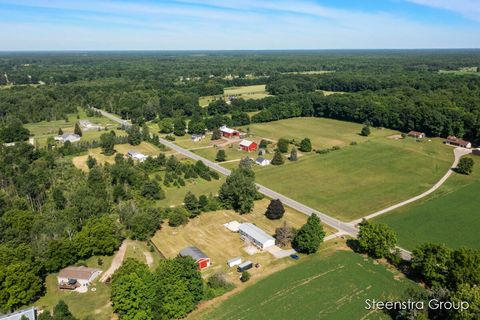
(344, 228)
(458, 153)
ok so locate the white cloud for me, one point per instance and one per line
(467, 8)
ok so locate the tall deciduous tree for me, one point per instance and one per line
(77, 130)
(190, 202)
(376, 239)
(239, 191)
(309, 236)
(221, 155)
(216, 134)
(465, 166)
(275, 209)
(107, 142)
(282, 145)
(134, 135)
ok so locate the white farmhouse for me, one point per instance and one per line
(253, 234)
(82, 275)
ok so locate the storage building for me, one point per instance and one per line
(251, 233)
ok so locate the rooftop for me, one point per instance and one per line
(79, 273)
(193, 252)
(246, 143)
(255, 232)
(227, 129)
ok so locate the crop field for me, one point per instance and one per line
(323, 286)
(208, 233)
(145, 148)
(358, 180)
(244, 92)
(449, 215)
(324, 133)
(94, 304)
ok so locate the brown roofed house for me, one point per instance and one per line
(77, 276)
(454, 141)
(416, 134)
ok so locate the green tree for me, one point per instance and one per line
(471, 295)
(91, 162)
(430, 263)
(99, 236)
(145, 132)
(465, 166)
(203, 202)
(277, 158)
(216, 134)
(239, 191)
(305, 145)
(134, 135)
(275, 209)
(376, 239)
(179, 127)
(166, 125)
(196, 127)
(282, 145)
(62, 312)
(60, 131)
(221, 155)
(107, 142)
(151, 190)
(179, 216)
(309, 236)
(190, 202)
(365, 131)
(293, 154)
(245, 276)
(77, 129)
(58, 199)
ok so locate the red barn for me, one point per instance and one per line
(196, 254)
(248, 146)
(228, 132)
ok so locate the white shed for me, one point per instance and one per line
(251, 233)
(234, 262)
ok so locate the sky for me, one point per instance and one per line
(238, 25)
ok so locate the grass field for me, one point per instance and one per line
(145, 148)
(323, 286)
(232, 151)
(324, 133)
(94, 304)
(208, 233)
(174, 196)
(244, 92)
(358, 180)
(449, 215)
(309, 72)
(139, 250)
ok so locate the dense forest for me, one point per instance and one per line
(397, 89)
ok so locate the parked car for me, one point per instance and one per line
(294, 256)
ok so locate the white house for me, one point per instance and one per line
(197, 137)
(68, 137)
(251, 233)
(137, 155)
(262, 161)
(87, 125)
(82, 275)
(234, 262)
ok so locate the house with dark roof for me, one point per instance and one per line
(262, 161)
(196, 254)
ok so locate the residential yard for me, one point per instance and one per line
(324, 133)
(358, 180)
(94, 304)
(244, 92)
(232, 151)
(208, 234)
(449, 215)
(145, 148)
(175, 196)
(327, 285)
(140, 251)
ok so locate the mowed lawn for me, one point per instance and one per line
(321, 287)
(174, 196)
(451, 215)
(245, 92)
(324, 133)
(358, 180)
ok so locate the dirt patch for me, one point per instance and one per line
(395, 137)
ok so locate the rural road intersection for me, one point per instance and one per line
(344, 228)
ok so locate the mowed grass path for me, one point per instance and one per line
(450, 216)
(358, 180)
(319, 287)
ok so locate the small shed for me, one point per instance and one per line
(262, 161)
(137, 155)
(196, 254)
(416, 134)
(234, 262)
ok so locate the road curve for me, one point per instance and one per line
(458, 153)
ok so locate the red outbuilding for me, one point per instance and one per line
(228, 132)
(248, 146)
(196, 254)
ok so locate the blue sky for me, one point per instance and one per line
(232, 25)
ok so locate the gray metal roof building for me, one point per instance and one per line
(193, 252)
(257, 236)
(30, 314)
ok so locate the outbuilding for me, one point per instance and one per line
(454, 141)
(196, 254)
(416, 134)
(248, 146)
(67, 137)
(197, 137)
(253, 234)
(228, 132)
(26, 314)
(82, 276)
(262, 161)
(137, 156)
(234, 262)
